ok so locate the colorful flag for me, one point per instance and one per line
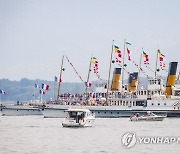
(116, 49)
(160, 54)
(128, 52)
(41, 92)
(94, 60)
(55, 78)
(2, 92)
(36, 86)
(146, 58)
(45, 87)
(128, 43)
(88, 84)
(60, 80)
(161, 60)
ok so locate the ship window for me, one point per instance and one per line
(98, 112)
(159, 82)
(141, 92)
(164, 103)
(152, 104)
(111, 112)
(117, 112)
(105, 112)
(144, 92)
(158, 103)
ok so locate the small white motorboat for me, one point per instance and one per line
(78, 118)
(148, 117)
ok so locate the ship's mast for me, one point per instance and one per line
(108, 82)
(123, 62)
(155, 72)
(86, 90)
(60, 75)
(139, 67)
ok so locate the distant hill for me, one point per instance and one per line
(24, 90)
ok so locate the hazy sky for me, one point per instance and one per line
(35, 33)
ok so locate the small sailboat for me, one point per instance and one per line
(148, 117)
(78, 118)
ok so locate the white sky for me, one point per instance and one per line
(35, 33)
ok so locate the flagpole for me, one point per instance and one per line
(34, 95)
(54, 89)
(88, 75)
(139, 67)
(108, 84)
(155, 72)
(123, 62)
(41, 96)
(60, 75)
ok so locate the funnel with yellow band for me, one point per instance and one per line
(116, 79)
(171, 77)
(134, 81)
(130, 81)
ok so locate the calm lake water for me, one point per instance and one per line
(37, 135)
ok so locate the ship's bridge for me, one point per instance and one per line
(155, 84)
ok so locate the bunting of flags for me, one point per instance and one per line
(2, 92)
(146, 58)
(60, 80)
(129, 54)
(96, 65)
(128, 50)
(140, 69)
(161, 60)
(118, 54)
